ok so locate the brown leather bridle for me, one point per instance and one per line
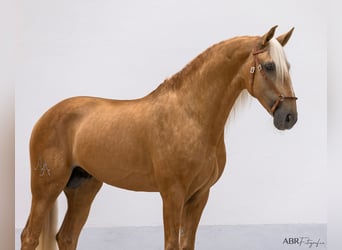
(258, 65)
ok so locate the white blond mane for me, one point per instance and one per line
(277, 53)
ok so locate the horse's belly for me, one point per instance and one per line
(127, 167)
(129, 177)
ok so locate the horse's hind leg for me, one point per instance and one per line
(47, 182)
(79, 201)
(34, 224)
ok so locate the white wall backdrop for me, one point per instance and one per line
(124, 50)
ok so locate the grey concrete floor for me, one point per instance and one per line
(239, 237)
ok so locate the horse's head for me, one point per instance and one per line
(270, 80)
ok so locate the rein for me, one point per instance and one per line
(257, 65)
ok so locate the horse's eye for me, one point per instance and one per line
(270, 66)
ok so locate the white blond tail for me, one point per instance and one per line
(47, 239)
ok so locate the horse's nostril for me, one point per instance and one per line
(289, 118)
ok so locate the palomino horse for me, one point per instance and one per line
(171, 141)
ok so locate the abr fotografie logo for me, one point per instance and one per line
(303, 241)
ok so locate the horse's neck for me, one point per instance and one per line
(209, 85)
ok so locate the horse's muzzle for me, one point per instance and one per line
(283, 119)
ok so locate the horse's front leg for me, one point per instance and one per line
(173, 201)
(191, 216)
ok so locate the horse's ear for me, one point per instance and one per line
(283, 39)
(268, 36)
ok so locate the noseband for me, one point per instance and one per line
(257, 65)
